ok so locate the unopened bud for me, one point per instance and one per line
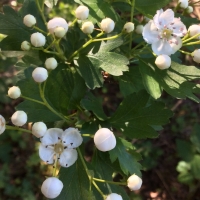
(163, 61)
(51, 63)
(14, 92)
(2, 124)
(139, 29)
(39, 129)
(38, 39)
(82, 12)
(194, 30)
(183, 3)
(107, 25)
(39, 74)
(59, 32)
(114, 196)
(55, 23)
(189, 9)
(19, 118)
(87, 27)
(196, 55)
(134, 182)
(129, 27)
(29, 20)
(25, 46)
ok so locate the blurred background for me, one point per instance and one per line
(171, 162)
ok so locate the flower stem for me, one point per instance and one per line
(108, 38)
(111, 182)
(191, 43)
(98, 189)
(88, 135)
(40, 30)
(72, 24)
(17, 129)
(34, 100)
(41, 10)
(132, 13)
(193, 37)
(184, 52)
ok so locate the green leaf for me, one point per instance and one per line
(175, 80)
(128, 163)
(135, 118)
(91, 73)
(76, 183)
(195, 166)
(195, 137)
(92, 103)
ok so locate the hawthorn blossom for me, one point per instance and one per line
(58, 145)
(164, 32)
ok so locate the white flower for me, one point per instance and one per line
(38, 39)
(29, 20)
(163, 61)
(25, 46)
(58, 145)
(139, 29)
(134, 182)
(107, 25)
(82, 12)
(196, 55)
(183, 3)
(14, 92)
(57, 22)
(51, 187)
(39, 129)
(39, 74)
(114, 196)
(104, 139)
(19, 118)
(51, 63)
(87, 27)
(163, 31)
(129, 27)
(2, 124)
(194, 30)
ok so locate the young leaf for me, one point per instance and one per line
(135, 118)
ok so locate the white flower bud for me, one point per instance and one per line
(163, 61)
(134, 182)
(59, 32)
(57, 22)
(51, 187)
(114, 196)
(87, 27)
(39, 74)
(38, 39)
(193, 30)
(146, 19)
(72, 138)
(183, 3)
(2, 124)
(14, 92)
(82, 12)
(104, 139)
(189, 9)
(39, 129)
(51, 63)
(25, 46)
(129, 27)
(139, 29)
(107, 25)
(196, 55)
(29, 20)
(19, 118)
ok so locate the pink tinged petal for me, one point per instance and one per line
(150, 32)
(68, 157)
(46, 153)
(52, 136)
(178, 28)
(162, 47)
(163, 19)
(175, 43)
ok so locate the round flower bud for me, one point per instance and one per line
(57, 22)
(25, 46)
(72, 138)
(14, 92)
(87, 27)
(183, 3)
(51, 187)
(139, 29)
(39, 129)
(114, 196)
(51, 63)
(59, 32)
(2, 124)
(134, 182)
(129, 27)
(19, 118)
(189, 9)
(163, 61)
(104, 139)
(82, 12)
(107, 25)
(29, 20)
(146, 19)
(193, 30)
(38, 39)
(39, 74)
(196, 55)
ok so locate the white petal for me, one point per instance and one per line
(46, 153)
(179, 28)
(150, 32)
(176, 44)
(68, 157)
(52, 136)
(162, 47)
(162, 19)
(72, 138)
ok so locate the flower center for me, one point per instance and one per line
(58, 148)
(166, 33)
